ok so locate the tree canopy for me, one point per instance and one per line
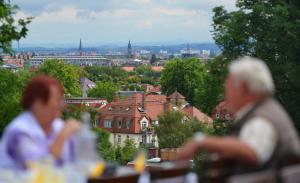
(11, 28)
(269, 30)
(183, 75)
(104, 74)
(69, 75)
(11, 85)
(105, 90)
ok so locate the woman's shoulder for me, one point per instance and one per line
(20, 122)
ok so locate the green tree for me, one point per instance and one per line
(146, 71)
(210, 91)
(183, 75)
(104, 147)
(105, 90)
(128, 151)
(153, 59)
(126, 154)
(142, 69)
(268, 30)
(74, 111)
(104, 74)
(10, 28)
(69, 75)
(118, 155)
(172, 131)
(11, 85)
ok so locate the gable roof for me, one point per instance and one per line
(177, 95)
(193, 112)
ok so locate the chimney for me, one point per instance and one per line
(143, 100)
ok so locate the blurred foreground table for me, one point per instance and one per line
(122, 174)
(166, 172)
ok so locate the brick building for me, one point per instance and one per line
(134, 116)
(221, 112)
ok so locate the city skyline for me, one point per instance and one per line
(115, 22)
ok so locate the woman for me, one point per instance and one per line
(38, 132)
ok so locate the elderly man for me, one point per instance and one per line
(262, 133)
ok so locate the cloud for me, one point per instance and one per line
(21, 15)
(176, 11)
(120, 13)
(145, 24)
(66, 14)
(115, 20)
(141, 1)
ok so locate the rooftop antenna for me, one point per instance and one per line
(188, 49)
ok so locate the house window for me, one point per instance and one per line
(127, 124)
(217, 115)
(107, 123)
(119, 139)
(144, 124)
(119, 124)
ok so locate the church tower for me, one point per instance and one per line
(80, 48)
(129, 50)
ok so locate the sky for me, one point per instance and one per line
(117, 21)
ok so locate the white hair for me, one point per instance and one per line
(254, 72)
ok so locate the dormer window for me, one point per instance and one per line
(144, 125)
(128, 124)
(140, 109)
(119, 124)
(107, 124)
(128, 108)
(110, 108)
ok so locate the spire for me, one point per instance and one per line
(129, 49)
(129, 44)
(80, 47)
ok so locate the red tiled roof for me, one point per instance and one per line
(128, 68)
(176, 94)
(157, 68)
(16, 62)
(127, 107)
(155, 105)
(152, 106)
(193, 112)
(156, 89)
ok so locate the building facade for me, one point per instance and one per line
(135, 116)
(221, 112)
(80, 60)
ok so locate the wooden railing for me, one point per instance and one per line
(290, 172)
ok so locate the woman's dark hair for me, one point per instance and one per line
(39, 88)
